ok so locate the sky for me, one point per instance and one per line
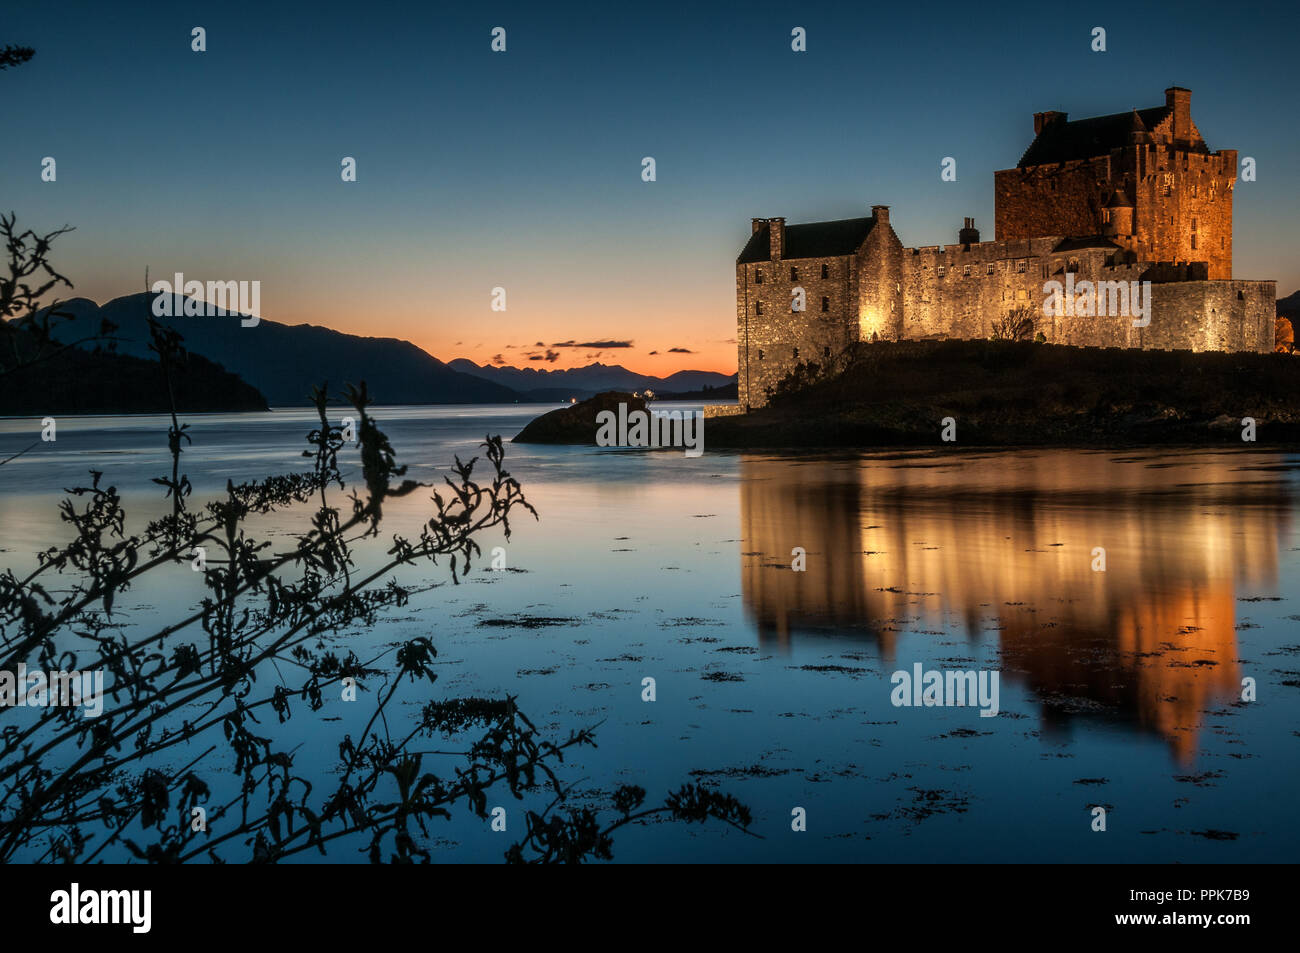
(522, 169)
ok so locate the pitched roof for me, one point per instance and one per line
(1062, 141)
(813, 240)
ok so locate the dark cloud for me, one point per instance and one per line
(498, 359)
(552, 356)
(597, 344)
(653, 353)
(536, 357)
(679, 350)
(539, 344)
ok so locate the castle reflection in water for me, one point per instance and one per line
(916, 542)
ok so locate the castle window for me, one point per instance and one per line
(990, 271)
(758, 307)
(940, 271)
(794, 274)
(796, 354)
(1241, 296)
(1193, 224)
(1073, 266)
(758, 276)
(1021, 266)
(760, 353)
(1167, 180)
(965, 270)
(826, 303)
(1193, 241)
(826, 271)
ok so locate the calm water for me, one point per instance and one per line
(1119, 688)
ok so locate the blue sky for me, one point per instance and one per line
(522, 169)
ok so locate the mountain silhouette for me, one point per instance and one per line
(587, 381)
(285, 361)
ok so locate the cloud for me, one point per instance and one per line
(498, 359)
(595, 344)
(536, 357)
(653, 353)
(552, 356)
(679, 350)
(540, 344)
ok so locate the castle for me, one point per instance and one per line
(1132, 197)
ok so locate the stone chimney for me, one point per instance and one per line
(1043, 120)
(969, 234)
(776, 237)
(758, 224)
(1180, 101)
(880, 213)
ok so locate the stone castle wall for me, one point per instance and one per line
(1155, 206)
(771, 338)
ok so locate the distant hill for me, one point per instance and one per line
(285, 361)
(1289, 307)
(728, 391)
(587, 381)
(77, 381)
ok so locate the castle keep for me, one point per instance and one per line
(1133, 197)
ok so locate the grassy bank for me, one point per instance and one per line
(1002, 393)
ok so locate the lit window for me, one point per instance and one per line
(1020, 267)
(940, 271)
(965, 270)
(990, 271)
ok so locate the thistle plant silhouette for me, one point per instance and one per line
(189, 697)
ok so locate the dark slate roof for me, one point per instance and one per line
(813, 240)
(1087, 241)
(1086, 138)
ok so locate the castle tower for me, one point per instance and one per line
(1179, 193)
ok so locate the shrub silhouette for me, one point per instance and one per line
(205, 689)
